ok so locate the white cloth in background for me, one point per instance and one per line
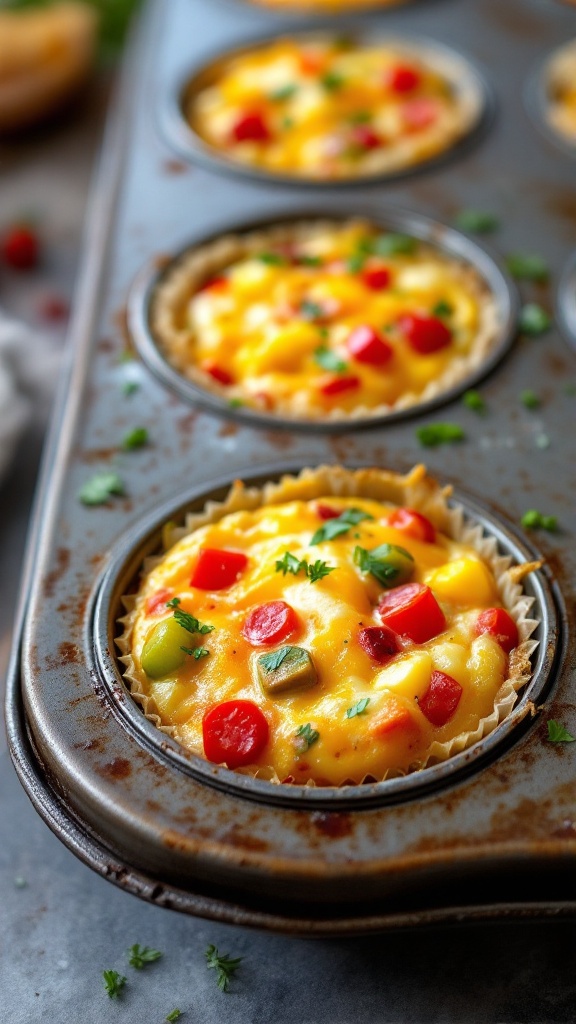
(29, 365)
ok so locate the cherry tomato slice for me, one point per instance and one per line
(425, 334)
(496, 622)
(419, 113)
(251, 127)
(20, 248)
(218, 373)
(157, 602)
(366, 346)
(214, 284)
(379, 642)
(269, 623)
(217, 569)
(337, 385)
(327, 512)
(412, 611)
(403, 79)
(441, 699)
(365, 137)
(413, 523)
(376, 278)
(234, 733)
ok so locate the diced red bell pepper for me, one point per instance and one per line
(379, 642)
(366, 346)
(366, 137)
(269, 623)
(376, 278)
(20, 248)
(413, 523)
(214, 284)
(441, 699)
(402, 79)
(218, 373)
(425, 334)
(412, 611)
(337, 385)
(217, 569)
(251, 127)
(394, 715)
(327, 512)
(311, 61)
(157, 602)
(234, 733)
(496, 622)
(419, 113)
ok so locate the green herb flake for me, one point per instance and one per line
(395, 245)
(359, 708)
(305, 737)
(332, 81)
(473, 400)
(558, 734)
(527, 267)
(311, 310)
(329, 360)
(100, 488)
(289, 563)
(442, 308)
(225, 966)
(272, 259)
(113, 983)
(360, 117)
(187, 621)
(129, 387)
(339, 524)
(477, 222)
(196, 652)
(235, 403)
(388, 563)
(434, 434)
(530, 399)
(273, 660)
(355, 262)
(534, 320)
(174, 1014)
(136, 438)
(139, 956)
(309, 261)
(318, 570)
(534, 520)
(285, 92)
(126, 356)
(288, 122)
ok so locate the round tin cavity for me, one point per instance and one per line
(476, 106)
(449, 243)
(328, 8)
(119, 579)
(566, 301)
(551, 79)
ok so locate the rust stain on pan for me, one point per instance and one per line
(527, 23)
(245, 842)
(121, 324)
(97, 744)
(68, 654)
(228, 429)
(59, 570)
(333, 825)
(118, 768)
(175, 167)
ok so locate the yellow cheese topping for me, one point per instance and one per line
(562, 92)
(342, 712)
(329, 108)
(337, 320)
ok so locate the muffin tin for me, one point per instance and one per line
(492, 831)
(538, 100)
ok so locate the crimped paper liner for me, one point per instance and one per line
(400, 154)
(188, 272)
(560, 76)
(415, 490)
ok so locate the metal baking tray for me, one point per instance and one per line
(494, 835)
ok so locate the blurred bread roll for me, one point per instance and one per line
(45, 55)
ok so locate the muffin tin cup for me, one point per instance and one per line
(127, 559)
(566, 301)
(465, 75)
(537, 103)
(447, 239)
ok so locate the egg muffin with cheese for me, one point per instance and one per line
(327, 6)
(561, 92)
(331, 109)
(323, 320)
(334, 627)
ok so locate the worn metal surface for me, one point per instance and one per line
(509, 820)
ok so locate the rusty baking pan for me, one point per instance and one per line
(566, 301)
(538, 95)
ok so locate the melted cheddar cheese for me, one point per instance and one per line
(323, 108)
(324, 320)
(364, 716)
(562, 92)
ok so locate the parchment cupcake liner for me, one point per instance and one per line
(415, 490)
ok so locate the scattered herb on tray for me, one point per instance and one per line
(225, 966)
(113, 983)
(439, 433)
(129, 387)
(527, 267)
(534, 320)
(174, 1014)
(139, 956)
(477, 222)
(530, 399)
(100, 488)
(473, 400)
(135, 438)
(558, 734)
(534, 520)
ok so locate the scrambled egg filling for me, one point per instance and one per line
(562, 93)
(341, 696)
(327, 108)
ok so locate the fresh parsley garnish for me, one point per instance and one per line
(359, 708)
(534, 320)
(136, 438)
(139, 956)
(174, 1014)
(289, 563)
(225, 966)
(305, 737)
(272, 259)
(477, 222)
(273, 660)
(558, 734)
(309, 261)
(187, 621)
(285, 92)
(196, 652)
(329, 360)
(113, 983)
(339, 524)
(384, 562)
(311, 310)
(534, 520)
(129, 387)
(100, 488)
(360, 117)
(473, 400)
(530, 399)
(355, 262)
(332, 81)
(439, 433)
(235, 403)
(394, 245)
(317, 571)
(528, 267)
(442, 308)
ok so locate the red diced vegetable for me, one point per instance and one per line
(366, 346)
(251, 127)
(412, 611)
(269, 623)
(234, 733)
(327, 512)
(217, 569)
(376, 278)
(496, 622)
(419, 113)
(53, 308)
(20, 248)
(157, 602)
(218, 373)
(394, 715)
(413, 523)
(311, 61)
(403, 79)
(379, 642)
(214, 284)
(425, 334)
(338, 384)
(441, 699)
(363, 135)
